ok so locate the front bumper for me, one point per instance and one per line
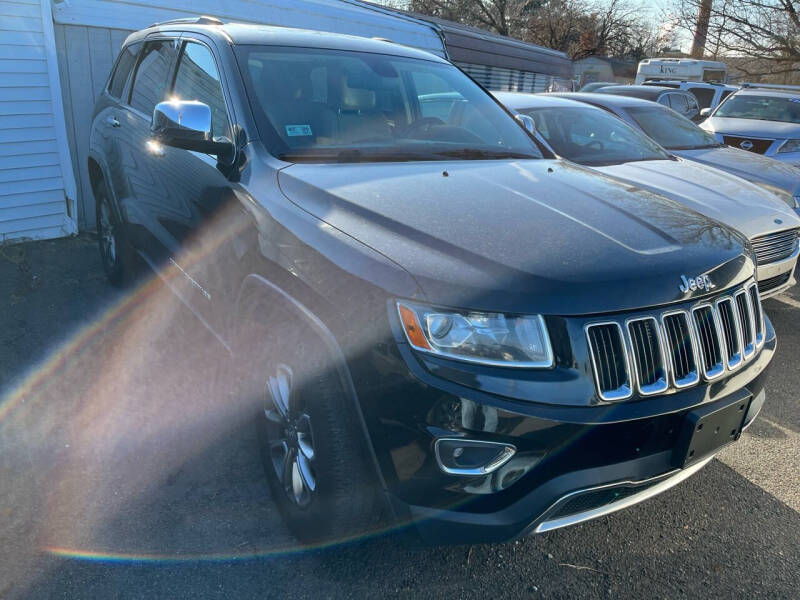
(572, 463)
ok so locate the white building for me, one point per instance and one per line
(55, 56)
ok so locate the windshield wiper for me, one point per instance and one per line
(354, 155)
(477, 154)
(700, 147)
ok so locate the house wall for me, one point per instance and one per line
(37, 189)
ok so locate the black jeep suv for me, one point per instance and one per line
(433, 319)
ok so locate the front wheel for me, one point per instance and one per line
(114, 250)
(312, 446)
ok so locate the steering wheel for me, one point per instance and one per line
(423, 123)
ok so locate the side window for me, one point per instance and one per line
(664, 99)
(197, 79)
(705, 96)
(678, 103)
(125, 62)
(691, 104)
(151, 79)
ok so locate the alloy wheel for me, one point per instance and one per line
(291, 441)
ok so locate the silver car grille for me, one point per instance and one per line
(775, 247)
(677, 348)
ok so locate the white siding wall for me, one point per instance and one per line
(36, 193)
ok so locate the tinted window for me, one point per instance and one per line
(151, 79)
(127, 59)
(592, 137)
(323, 105)
(197, 79)
(765, 108)
(678, 103)
(670, 130)
(705, 96)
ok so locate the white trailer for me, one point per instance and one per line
(682, 69)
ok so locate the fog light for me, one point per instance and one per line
(457, 456)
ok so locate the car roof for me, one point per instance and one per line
(766, 91)
(520, 100)
(269, 35)
(706, 84)
(608, 100)
(641, 91)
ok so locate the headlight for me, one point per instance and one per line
(478, 337)
(790, 146)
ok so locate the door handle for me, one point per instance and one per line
(112, 121)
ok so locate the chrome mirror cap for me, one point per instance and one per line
(181, 120)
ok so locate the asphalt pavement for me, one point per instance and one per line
(125, 473)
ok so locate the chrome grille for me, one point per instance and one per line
(707, 328)
(681, 349)
(748, 328)
(610, 361)
(677, 348)
(648, 357)
(731, 334)
(775, 247)
(758, 314)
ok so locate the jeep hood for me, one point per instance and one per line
(759, 169)
(721, 196)
(521, 236)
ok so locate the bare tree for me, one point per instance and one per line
(763, 36)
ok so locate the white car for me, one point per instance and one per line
(762, 119)
(594, 138)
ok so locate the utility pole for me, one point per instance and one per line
(701, 30)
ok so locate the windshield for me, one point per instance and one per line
(762, 108)
(318, 105)
(671, 130)
(592, 137)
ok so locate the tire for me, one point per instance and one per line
(116, 253)
(311, 444)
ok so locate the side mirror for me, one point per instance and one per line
(187, 124)
(704, 112)
(527, 123)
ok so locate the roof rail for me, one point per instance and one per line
(203, 20)
(775, 86)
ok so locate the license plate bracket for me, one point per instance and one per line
(708, 428)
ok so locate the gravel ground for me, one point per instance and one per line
(123, 475)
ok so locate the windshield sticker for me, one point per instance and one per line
(298, 130)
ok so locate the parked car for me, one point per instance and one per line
(595, 85)
(592, 137)
(764, 120)
(431, 320)
(687, 140)
(708, 95)
(682, 102)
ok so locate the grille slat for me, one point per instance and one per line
(610, 360)
(775, 247)
(758, 315)
(648, 360)
(680, 348)
(731, 336)
(710, 346)
(746, 319)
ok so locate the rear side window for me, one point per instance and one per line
(127, 58)
(678, 103)
(197, 79)
(151, 79)
(705, 96)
